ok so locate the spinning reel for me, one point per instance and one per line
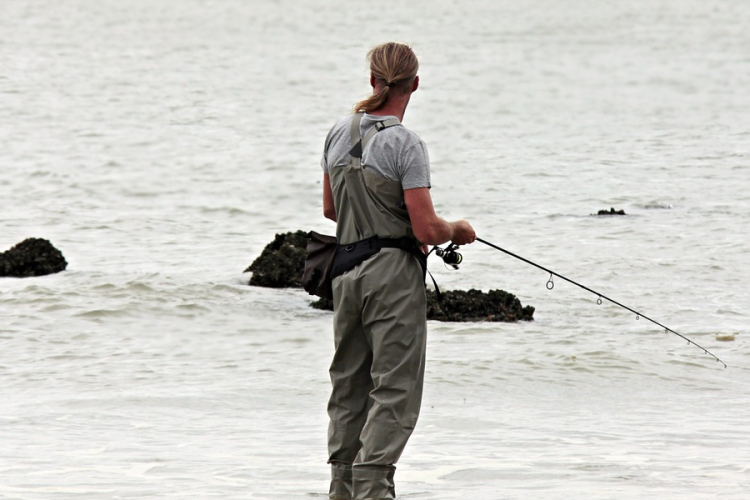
(449, 255)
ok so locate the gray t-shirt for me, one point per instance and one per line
(396, 153)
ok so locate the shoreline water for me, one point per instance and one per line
(161, 147)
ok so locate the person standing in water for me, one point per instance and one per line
(376, 187)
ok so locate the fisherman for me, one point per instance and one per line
(376, 187)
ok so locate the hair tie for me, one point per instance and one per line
(388, 84)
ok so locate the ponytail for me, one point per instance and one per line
(395, 66)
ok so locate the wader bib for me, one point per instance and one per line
(380, 333)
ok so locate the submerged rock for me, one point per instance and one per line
(611, 211)
(467, 306)
(322, 304)
(657, 205)
(281, 263)
(31, 257)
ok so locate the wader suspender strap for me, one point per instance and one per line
(374, 244)
(357, 142)
(391, 122)
(355, 139)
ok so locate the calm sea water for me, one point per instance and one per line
(161, 145)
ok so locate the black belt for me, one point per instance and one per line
(353, 254)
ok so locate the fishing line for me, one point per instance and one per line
(551, 284)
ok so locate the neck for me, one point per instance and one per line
(395, 106)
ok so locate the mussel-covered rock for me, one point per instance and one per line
(31, 257)
(476, 305)
(611, 211)
(281, 263)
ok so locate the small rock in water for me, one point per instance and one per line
(31, 257)
(322, 304)
(611, 211)
(725, 337)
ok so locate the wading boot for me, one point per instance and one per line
(341, 482)
(373, 482)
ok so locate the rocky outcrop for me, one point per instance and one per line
(475, 305)
(31, 257)
(281, 263)
(611, 211)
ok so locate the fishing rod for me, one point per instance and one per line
(452, 258)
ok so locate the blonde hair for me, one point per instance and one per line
(394, 65)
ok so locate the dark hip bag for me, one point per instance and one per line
(327, 260)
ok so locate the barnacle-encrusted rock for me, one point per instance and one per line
(611, 211)
(31, 257)
(282, 262)
(476, 305)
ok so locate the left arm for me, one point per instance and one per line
(329, 210)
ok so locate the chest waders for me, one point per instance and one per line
(380, 330)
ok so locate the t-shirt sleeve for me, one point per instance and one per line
(415, 167)
(324, 158)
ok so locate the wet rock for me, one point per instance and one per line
(727, 337)
(467, 306)
(611, 211)
(281, 263)
(475, 305)
(322, 304)
(31, 257)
